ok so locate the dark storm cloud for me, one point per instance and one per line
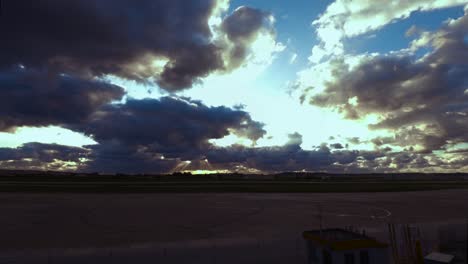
(243, 23)
(122, 37)
(384, 161)
(398, 86)
(242, 28)
(40, 98)
(290, 157)
(426, 101)
(169, 123)
(163, 131)
(54, 53)
(188, 65)
(111, 37)
(354, 140)
(118, 157)
(41, 156)
(141, 136)
(115, 156)
(337, 146)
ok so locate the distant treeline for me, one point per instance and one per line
(6, 175)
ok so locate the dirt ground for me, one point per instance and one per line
(35, 222)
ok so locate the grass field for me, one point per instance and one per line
(224, 186)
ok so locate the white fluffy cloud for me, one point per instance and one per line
(349, 18)
(423, 101)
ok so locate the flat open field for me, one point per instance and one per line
(151, 186)
(167, 222)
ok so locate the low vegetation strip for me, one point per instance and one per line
(226, 186)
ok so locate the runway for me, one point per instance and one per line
(64, 222)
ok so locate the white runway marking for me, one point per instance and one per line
(386, 214)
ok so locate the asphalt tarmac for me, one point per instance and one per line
(200, 228)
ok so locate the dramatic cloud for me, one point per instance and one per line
(53, 76)
(349, 18)
(242, 28)
(120, 157)
(112, 37)
(116, 156)
(290, 157)
(169, 122)
(164, 129)
(404, 111)
(337, 146)
(40, 98)
(425, 100)
(142, 136)
(42, 157)
(170, 42)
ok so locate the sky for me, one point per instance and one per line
(155, 86)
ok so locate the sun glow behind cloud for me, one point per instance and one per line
(335, 94)
(47, 135)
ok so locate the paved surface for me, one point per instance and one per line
(107, 225)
